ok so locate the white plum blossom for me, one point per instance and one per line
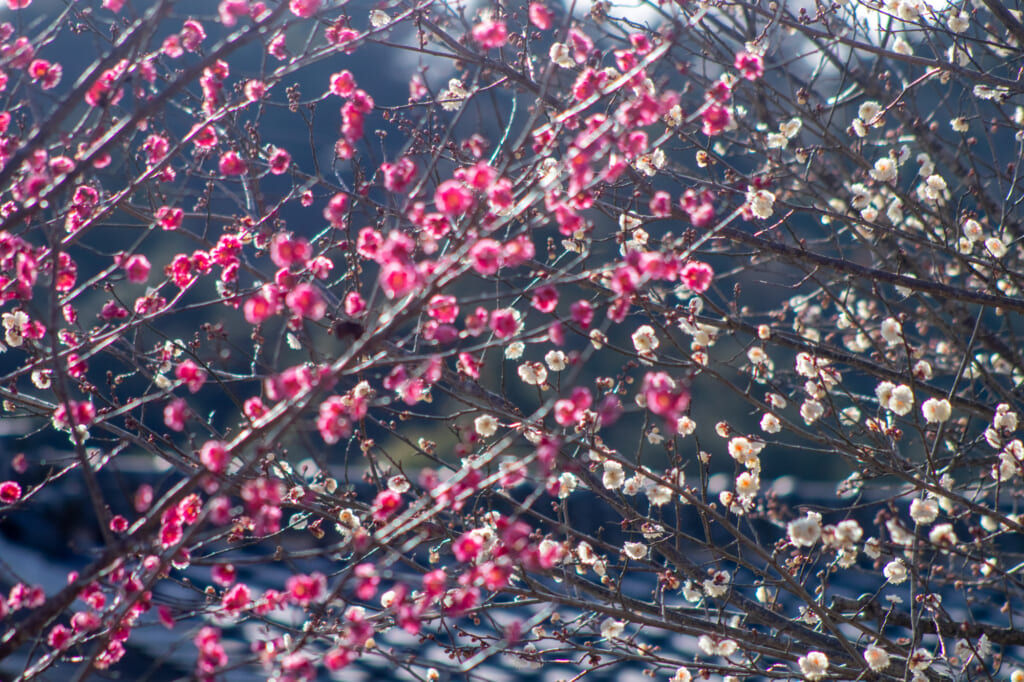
(876, 657)
(895, 571)
(814, 665)
(892, 331)
(452, 97)
(923, 370)
(901, 401)
(633, 485)
(868, 111)
(645, 341)
(811, 411)
(973, 230)
(745, 451)
(900, 46)
(718, 584)
(13, 325)
(909, 10)
(555, 360)
(942, 535)
(762, 203)
(486, 425)
(765, 595)
(770, 423)
(805, 531)
(990, 93)
(567, 483)
(559, 54)
(399, 484)
(613, 477)
(1005, 419)
(995, 246)
(635, 550)
(885, 169)
(924, 511)
(776, 141)
(682, 675)
(899, 534)
(936, 410)
(659, 495)
(884, 392)
(934, 187)
(791, 127)
(958, 22)
(712, 646)
(747, 484)
(919, 661)
(685, 426)
(611, 628)
(533, 373)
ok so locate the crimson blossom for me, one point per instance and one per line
(676, 338)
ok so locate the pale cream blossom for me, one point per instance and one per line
(973, 230)
(611, 628)
(556, 360)
(633, 485)
(567, 483)
(533, 373)
(559, 54)
(453, 97)
(895, 571)
(936, 410)
(486, 425)
(814, 665)
(923, 511)
(770, 423)
(805, 531)
(791, 127)
(747, 484)
(892, 331)
(635, 550)
(990, 93)
(776, 141)
(942, 535)
(868, 111)
(682, 675)
(901, 401)
(934, 187)
(613, 477)
(885, 169)
(876, 657)
(399, 484)
(958, 22)
(811, 411)
(995, 246)
(919, 661)
(761, 203)
(713, 646)
(645, 341)
(718, 584)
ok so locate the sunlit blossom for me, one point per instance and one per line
(814, 665)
